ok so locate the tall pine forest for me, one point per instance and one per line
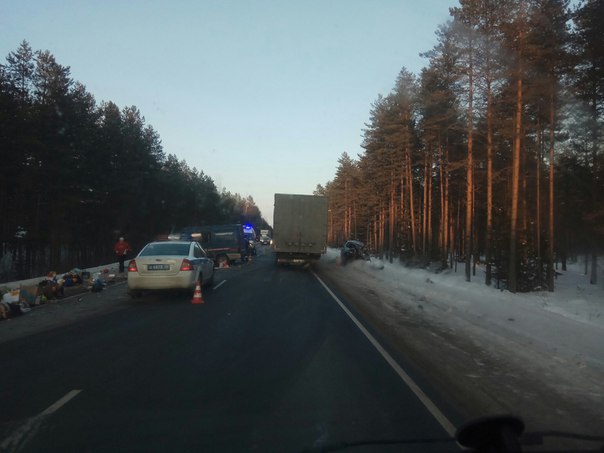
(77, 174)
(492, 154)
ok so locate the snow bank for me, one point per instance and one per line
(551, 339)
(574, 297)
(566, 325)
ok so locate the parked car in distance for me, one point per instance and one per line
(353, 250)
(169, 265)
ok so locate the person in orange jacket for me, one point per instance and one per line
(121, 249)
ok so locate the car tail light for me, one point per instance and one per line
(186, 265)
(132, 266)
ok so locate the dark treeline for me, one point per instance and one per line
(76, 175)
(493, 152)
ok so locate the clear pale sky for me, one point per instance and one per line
(262, 95)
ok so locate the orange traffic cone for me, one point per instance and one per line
(197, 297)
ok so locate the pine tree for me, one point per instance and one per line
(550, 37)
(20, 71)
(589, 86)
(440, 112)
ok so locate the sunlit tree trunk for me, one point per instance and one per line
(516, 149)
(550, 220)
(376, 245)
(442, 223)
(403, 214)
(445, 204)
(469, 174)
(411, 206)
(538, 204)
(425, 209)
(489, 232)
(429, 181)
(593, 278)
(391, 218)
(513, 276)
(383, 228)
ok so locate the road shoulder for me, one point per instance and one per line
(65, 311)
(476, 374)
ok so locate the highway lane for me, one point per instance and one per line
(269, 363)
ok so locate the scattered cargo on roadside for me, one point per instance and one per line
(19, 297)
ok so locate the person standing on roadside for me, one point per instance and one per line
(121, 249)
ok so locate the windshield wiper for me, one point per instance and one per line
(505, 434)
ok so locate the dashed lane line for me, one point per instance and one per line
(29, 428)
(219, 284)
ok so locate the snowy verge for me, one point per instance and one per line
(574, 297)
(546, 348)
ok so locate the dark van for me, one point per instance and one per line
(223, 243)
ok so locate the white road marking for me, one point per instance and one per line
(426, 401)
(60, 403)
(219, 284)
(11, 443)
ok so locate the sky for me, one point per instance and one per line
(263, 96)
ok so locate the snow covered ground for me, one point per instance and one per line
(573, 298)
(546, 348)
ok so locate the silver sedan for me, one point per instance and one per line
(169, 265)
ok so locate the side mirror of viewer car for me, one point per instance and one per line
(498, 433)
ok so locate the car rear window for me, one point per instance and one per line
(165, 249)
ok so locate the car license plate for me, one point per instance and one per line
(158, 267)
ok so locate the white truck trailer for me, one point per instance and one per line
(299, 228)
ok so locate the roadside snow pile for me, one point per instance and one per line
(556, 337)
(567, 324)
(539, 354)
(573, 298)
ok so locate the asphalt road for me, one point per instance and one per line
(270, 362)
